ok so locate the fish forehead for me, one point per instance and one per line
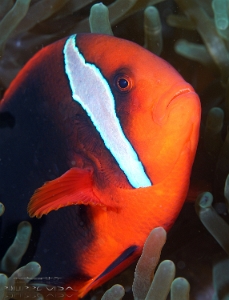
(112, 53)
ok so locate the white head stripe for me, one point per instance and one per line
(92, 91)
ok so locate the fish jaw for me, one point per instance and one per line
(184, 109)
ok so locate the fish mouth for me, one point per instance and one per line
(169, 100)
(178, 94)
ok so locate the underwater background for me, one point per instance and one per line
(193, 36)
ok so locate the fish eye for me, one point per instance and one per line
(123, 83)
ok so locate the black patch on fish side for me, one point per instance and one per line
(6, 119)
(36, 150)
(127, 253)
(65, 235)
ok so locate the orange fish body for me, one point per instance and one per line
(132, 125)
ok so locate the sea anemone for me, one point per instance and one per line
(10, 262)
(148, 284)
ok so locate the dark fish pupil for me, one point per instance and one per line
(123, 83)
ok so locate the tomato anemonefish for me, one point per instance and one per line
(118, 128)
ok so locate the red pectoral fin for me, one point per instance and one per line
(73, 187)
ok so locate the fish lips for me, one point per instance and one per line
(170, 101)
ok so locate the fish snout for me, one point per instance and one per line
(179, 94)
(183, 100)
